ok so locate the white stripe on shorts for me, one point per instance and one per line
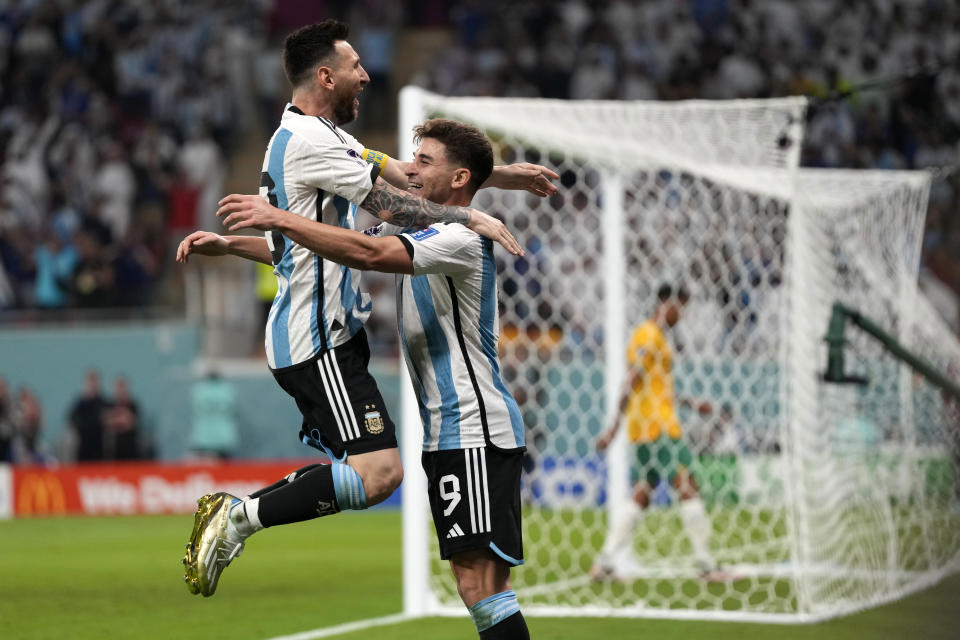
(351, 416)
(477, 491)
(473, 511)
(486, 489)
(333, 398)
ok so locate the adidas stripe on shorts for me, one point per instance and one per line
(475, 500)
(343, 411)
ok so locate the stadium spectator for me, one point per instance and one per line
(54, 264)
(28, 446)
(92, 280)
(135, 267)
(202, 167)
(123, 431)
(114, 185)
(214, 433)
(86, 421)
(7, 423)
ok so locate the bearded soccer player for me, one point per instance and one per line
(315, 342)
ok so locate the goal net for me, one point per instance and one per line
(818, 498)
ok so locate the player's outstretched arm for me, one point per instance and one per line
(343, 246)
(207, 243)
(523, 176)
(406, 210)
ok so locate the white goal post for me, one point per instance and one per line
(822, 498)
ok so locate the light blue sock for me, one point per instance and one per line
(492, 610)
(348, 485)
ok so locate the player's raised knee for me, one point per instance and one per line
(382, 472)
(380, 484)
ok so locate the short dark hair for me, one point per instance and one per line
(310, 45)
(665, 292)
(466, 147)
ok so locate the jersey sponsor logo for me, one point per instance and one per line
(373, 231)
(423, 234)
(455, 531)
(372, 420)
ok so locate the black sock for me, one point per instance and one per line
(287, 479)
(512, 628)
(309, 496)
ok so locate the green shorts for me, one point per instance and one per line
(662, 459)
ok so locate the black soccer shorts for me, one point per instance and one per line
(343, 411)
(475, 500)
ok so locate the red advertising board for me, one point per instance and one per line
(135, 488)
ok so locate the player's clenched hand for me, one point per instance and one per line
(489, 227)
(204, 243)
(247, 212)
(526, 176)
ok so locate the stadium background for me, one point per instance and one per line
(122, 122)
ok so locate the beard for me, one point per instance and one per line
(343, 109)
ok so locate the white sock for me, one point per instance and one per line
(698, 528)
(620, 532)
(245, 518)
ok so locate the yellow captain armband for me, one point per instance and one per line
(375, 157)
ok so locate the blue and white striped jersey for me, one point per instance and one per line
(449, 327)
(314, 169)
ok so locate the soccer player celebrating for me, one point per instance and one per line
(648, 407)
(315, 342)
(473, 435)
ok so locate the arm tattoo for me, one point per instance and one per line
(405, 210)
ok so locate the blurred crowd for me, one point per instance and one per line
(98, 427)
(119, 118)
(884, 75)
(116, 120)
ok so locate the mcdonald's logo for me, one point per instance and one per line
(40, 493)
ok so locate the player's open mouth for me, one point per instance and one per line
(413, 186)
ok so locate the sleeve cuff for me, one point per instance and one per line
(407, 244)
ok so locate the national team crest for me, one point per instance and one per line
(372, 420)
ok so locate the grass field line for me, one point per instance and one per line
(329, 632)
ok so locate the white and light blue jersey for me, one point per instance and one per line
(313, 168)
(449, 327)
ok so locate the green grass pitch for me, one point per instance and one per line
(116, 578)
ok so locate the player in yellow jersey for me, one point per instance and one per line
(648, 406)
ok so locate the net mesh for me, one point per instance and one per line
(708, 196)
(878, 505)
